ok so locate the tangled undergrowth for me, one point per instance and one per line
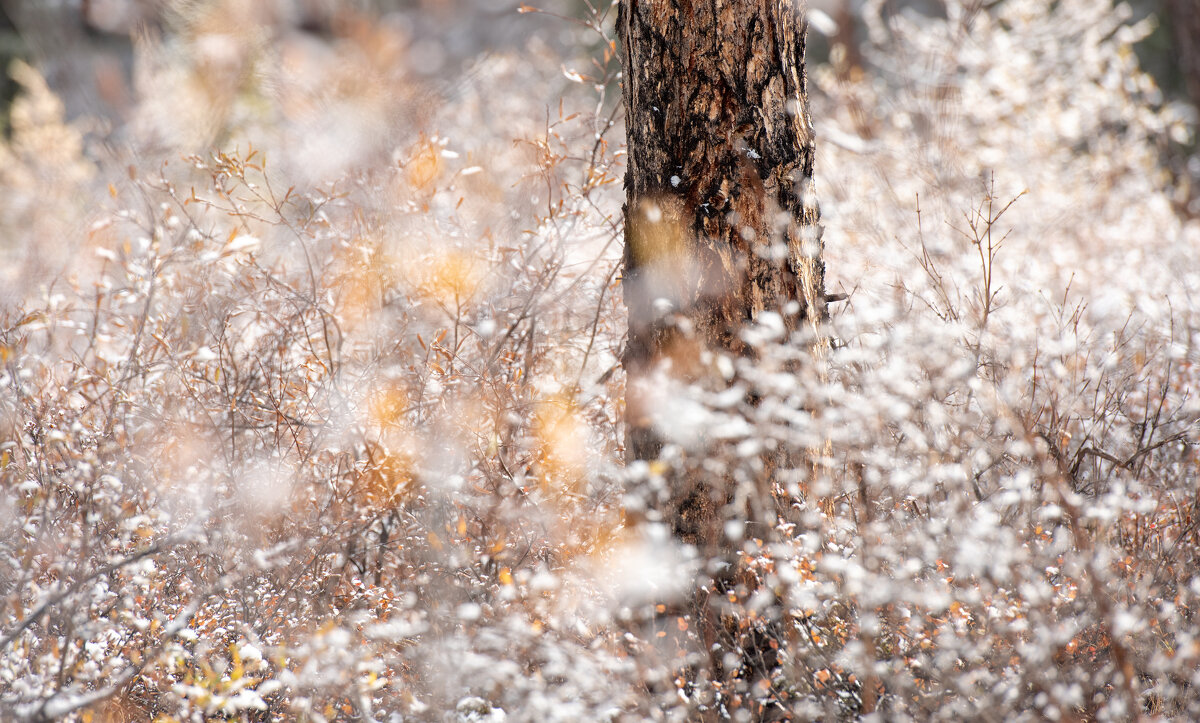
(310, 413)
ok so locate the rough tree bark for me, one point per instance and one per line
(720, 219)
(721, 223)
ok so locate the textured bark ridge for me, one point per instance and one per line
(721, 225)
(720, 220)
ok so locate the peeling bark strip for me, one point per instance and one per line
(720, 219)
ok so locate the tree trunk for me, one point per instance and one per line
(720, 226)
(720, 219)
(1184, 20)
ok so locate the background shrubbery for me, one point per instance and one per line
(310, 396)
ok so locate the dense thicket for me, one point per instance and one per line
(310, 405)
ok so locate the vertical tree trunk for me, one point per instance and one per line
(720, 225)
(720, 219)
(1183, 17)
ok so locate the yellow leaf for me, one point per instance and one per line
(238, 668)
